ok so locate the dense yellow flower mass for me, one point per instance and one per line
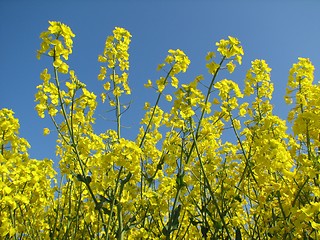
(26, 184)
(180, 178)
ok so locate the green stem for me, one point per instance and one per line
(74, 144)
(247, 162)
(118, 106)
(120, 233)
(153, 111)
(206, 181)
(113, 203)
(147, 130)
(203, 110)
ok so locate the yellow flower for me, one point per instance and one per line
(231, 66)
(102, 58)
(57, 48)
(210, 55)
(149, 84)
(46, 131)
(161, 83)
(216, 101)
(181, 61)
(315, 225)
(174, 82)
(117, 91)
(106, 86)
(45, 76)
(236, 124)
(169, 98)
(212, 67)
(230, 48)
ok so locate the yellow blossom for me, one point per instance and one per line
(46, 131)
(168, 98)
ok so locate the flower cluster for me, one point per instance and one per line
(230, 49)
(116, 55)
(56, 48)
(26, 184)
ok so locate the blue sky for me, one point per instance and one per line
(277, 31)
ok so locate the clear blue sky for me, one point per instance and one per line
(277, 31)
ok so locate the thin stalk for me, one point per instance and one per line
(299, 191)
(74, 144)
(307, 125)
(153, 111)
(203, 110)
(120, 234)
(118, 106)
(2, 146)
(113, 203)
(147, 130)
(243, 153)
(206, 181)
